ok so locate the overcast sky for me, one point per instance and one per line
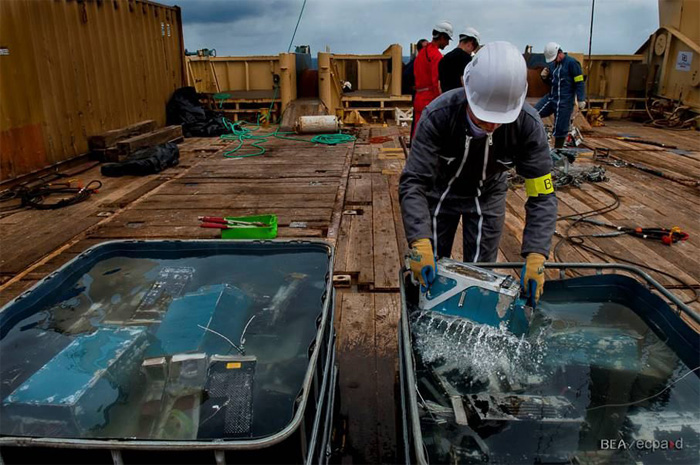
(258, 27)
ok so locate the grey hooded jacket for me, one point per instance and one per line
(447, 168)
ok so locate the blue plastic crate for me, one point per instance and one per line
(75, 390)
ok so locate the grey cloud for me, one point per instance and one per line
(225, 11)
(369, 26)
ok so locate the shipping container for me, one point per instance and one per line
(72, 69)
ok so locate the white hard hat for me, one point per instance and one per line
(550, 51)
(470, 32)
(444, 27)
(496, 83)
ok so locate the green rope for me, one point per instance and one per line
(242, 134)
(333, 139)
(221, 97)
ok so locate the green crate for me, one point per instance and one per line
(257, 232)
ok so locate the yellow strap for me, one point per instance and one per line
(578, 78)
(539, 186)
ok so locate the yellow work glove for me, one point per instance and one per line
(422, 262)
(533, 271)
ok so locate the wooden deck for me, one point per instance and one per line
(348, 195)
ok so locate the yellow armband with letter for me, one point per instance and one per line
(539, 186)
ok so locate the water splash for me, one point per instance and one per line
(479, 351)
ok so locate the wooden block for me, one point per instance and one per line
(159, 136)
(110, 138)
(386, 254)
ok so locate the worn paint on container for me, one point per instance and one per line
(74, 69)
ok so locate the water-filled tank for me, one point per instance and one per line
(218, 351)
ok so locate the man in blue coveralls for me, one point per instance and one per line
(565, 77)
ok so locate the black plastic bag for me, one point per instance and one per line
(146, 161)
(184, 108)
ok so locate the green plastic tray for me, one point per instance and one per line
(260, 232)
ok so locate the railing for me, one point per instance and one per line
(608, 83)
(245, 80)
(614, 83)
(374, 79)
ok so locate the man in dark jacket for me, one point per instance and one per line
(467, 139)
(451, 67)
(565, 77)
(408, 82)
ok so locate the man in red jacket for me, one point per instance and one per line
(425, 70)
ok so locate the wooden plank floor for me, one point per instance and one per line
(349, 195)
(298, 182)
(29, 235)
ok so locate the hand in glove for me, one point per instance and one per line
(533, 271)
(582, 105)
(545, 73)
(422, 262)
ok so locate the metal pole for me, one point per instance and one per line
(590, 42)
(289, 49)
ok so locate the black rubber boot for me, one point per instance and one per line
(559, 142)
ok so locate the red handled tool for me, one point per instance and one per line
(225, 226)
(228, 222)
(666, 236)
